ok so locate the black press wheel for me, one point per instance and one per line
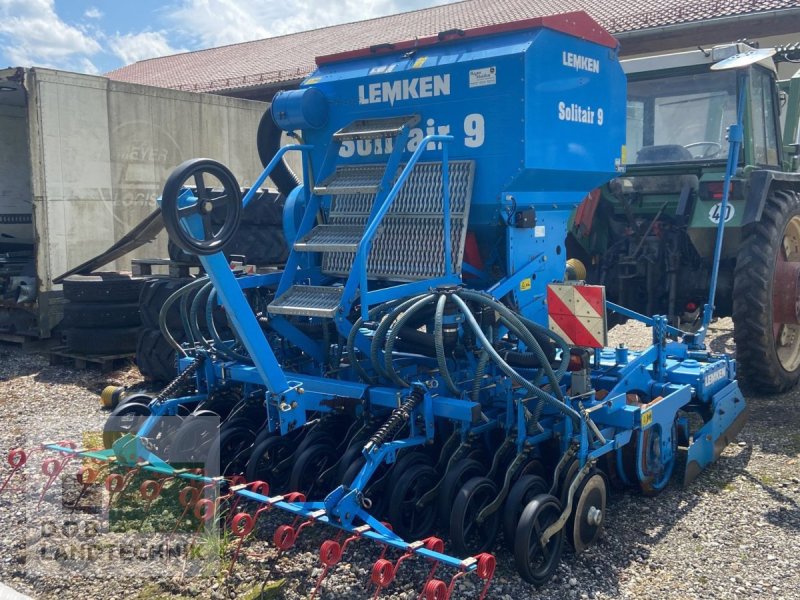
(230, 452)
(454, 479)
(522, 492)
(184, 222)
(126, 418)
(191, 442)
(269, 463)
(468, 535)
(765, 297)
(537, 563)
(588, 511)
(307, 469)
(410, 521)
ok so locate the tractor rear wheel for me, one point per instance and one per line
(765, 297)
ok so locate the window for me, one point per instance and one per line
(680, 117)
(762, 111)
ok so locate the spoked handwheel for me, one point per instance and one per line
(187, 215)
(537, 562)
(469, 536)
(409, 520)
(269, 463)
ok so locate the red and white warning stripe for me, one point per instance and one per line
(578, 314)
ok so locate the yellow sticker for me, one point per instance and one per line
(419, 62)
(624, 154)
(311, 80)
(647, 418)
(525, 284)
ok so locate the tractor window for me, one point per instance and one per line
(762, 108)
(680, 118)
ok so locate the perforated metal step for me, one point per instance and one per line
(308, 301)
(365, 129)
(331, 238)
(352, 179)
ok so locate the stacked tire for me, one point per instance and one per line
(101, 316)
(155, 357)
(259, 239)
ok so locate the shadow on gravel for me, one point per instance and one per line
(785, 517)
(722, 343)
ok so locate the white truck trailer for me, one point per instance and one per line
(82, 161)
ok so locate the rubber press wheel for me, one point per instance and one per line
(126, 418)
(765, 296)
(310, 464)
(536, 563)
(522, 492)
(470, 537)
(269, 463)
(229, 453)
(455, 478)
(412, 522)
(588, 511)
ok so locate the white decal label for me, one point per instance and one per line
(580, 63)
(714, 213)
(539, 231)
(404, 89)
(472, 133)
(714, 376)
(481, 77)
(381, 70)
(580, 114)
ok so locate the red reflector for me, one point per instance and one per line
(691, 307)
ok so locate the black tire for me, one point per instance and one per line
(461, 472)
(87, 315)
(268, 142)
(765, 365)
(264, 210)
(260, 245)
(308, 468)
(191, 442)
(470, 537)
(522, 492)
(230, 452)
(102, 341)
(126, 418)
(408, 521)
(533, 564)
(155, 357)
(268, 463)
(103, 287)
(154, 294)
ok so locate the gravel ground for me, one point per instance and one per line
(733, 533)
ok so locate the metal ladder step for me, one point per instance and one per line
(331, 238)
(352, 179)
(308, 301)
(366, 129)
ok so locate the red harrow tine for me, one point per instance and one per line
(286, 535)
(16, 460)
(436, 589)
(242, 523)
(86, 476)
(150, 490)
(52, 468)
(382, 575)
(331, 553)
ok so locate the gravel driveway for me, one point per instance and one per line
(733, 533)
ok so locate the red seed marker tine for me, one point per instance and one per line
(16, 460)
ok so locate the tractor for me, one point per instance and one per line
(649, 236)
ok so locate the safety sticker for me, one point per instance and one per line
(647, 418)
(481, 77)
(525, 284)
(577, 313)
(419, 62)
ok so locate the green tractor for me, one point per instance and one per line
(649, 236)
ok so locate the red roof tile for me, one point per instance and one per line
(291, 57)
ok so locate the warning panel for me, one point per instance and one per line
(578, 314)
